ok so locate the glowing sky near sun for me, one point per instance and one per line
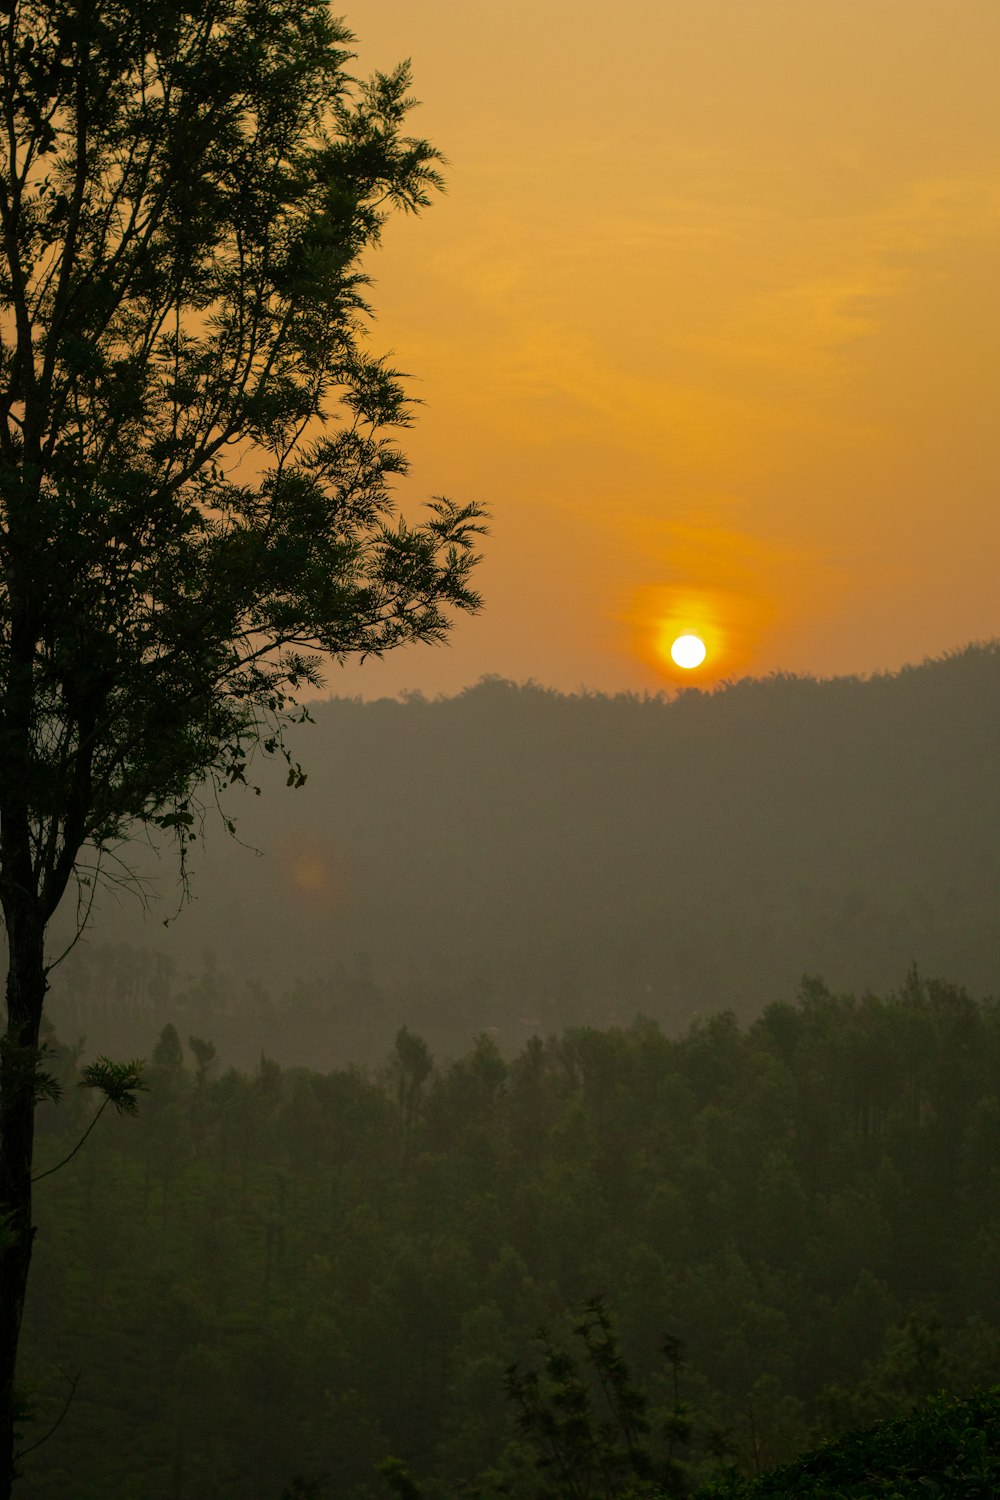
(709, 318)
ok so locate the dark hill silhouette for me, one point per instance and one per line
(514, 859)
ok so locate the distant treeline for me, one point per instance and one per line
(303, 1273)
(512, 860)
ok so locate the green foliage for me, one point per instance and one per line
(949, 1447)
(399, 1479)
(265, 1276)
(205, 1056)
(24, 1063)
(594, 1444)
(305, 1489)
(168, 1053)
(185, 208)
(118, 1082)
(197, 455)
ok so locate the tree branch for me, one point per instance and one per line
(23, 1452)
(59, 1164)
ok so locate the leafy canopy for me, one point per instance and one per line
(196, 451)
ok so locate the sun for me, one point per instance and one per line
(688, 651)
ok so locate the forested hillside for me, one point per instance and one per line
(296, 1273)
(512, 861)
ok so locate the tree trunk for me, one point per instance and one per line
(26, 986)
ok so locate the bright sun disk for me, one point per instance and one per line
(688, 651)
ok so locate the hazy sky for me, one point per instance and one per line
(710, 319)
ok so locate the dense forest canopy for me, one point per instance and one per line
(295, 1272)
(514, 860)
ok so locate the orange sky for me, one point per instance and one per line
(710, 319)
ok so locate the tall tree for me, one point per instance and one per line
(196, 457)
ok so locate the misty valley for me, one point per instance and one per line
(665, 1027)
(477, 1088)
(513, 860)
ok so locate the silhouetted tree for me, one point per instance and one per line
(205, 1057)
(195, 476)
(168, 1053)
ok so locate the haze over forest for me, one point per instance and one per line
(513, 860)
(657, 1020)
